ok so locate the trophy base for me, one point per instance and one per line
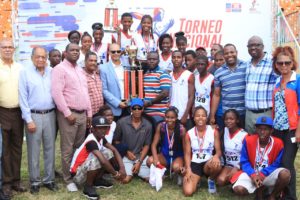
(109, 30)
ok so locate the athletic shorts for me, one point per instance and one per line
(198, 168)
(144, 169)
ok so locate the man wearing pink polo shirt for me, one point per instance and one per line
(70, 94)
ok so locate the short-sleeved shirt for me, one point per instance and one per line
(233, 85)
(92, 145)
(135, 139)
(260, 82)
(156, 80)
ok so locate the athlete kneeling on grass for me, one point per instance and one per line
(168, 139)
(199, 144)
(232, 142)
(260, 162)
(91, 159)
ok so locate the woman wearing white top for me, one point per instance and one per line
(86, 43)
(145, 41)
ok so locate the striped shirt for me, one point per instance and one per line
(260, 82)
(233, 85)
(155, 81)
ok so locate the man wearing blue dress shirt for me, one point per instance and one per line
(38, 112)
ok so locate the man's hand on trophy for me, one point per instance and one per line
(123, 104)
(118, 29)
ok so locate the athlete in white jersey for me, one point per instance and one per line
(165, 43)
(199, 160)
(182, 93)
(146, 41)
(232, 139)
(203, 83)
(101, 43)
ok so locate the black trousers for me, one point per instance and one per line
(288, 159)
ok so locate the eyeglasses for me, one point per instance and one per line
(137, 108)
(286, 63)
(7, 47)
(116, 52)
(254, 45)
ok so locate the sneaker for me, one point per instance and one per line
(211, 186)
(71, 187)
(102, 183)
(90, 192)
(179, 180)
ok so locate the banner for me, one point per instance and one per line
(204, 22)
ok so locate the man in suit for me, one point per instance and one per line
(112, 76)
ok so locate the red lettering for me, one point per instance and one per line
(218, 26)
(188, 26)
(196, 26)
(203, 26)
(211, 26)
(181, 23)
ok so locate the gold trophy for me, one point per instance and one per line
(132, 53)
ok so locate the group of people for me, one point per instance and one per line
(232, 121)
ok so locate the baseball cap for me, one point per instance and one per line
(264, 120)
(136, 102)
(99, 121)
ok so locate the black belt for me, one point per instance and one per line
(11, 109)
(77, 111)
(41, 111)
(261, 110)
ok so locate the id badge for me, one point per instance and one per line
(170, 153)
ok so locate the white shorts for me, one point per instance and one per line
(245, 181)
(89, 165)
(144, 170)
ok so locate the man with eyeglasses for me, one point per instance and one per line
(38, 112)
(134, 133)
(112, 76)
(10, 119)
(260, 82)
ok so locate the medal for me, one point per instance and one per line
(170, 152)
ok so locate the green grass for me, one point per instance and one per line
(137, 189)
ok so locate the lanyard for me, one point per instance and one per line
(261, 154)
(94, 47)
(200, 140)
(170, 141)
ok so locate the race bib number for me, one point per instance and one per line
(231, 158)
(200, 99)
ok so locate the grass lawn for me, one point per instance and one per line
(137, 189)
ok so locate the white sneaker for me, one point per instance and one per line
(71, 187)
(179, 180)
(211, 186)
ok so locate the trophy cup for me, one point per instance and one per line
(133, 76)
(110, 17)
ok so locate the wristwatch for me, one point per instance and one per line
(138, 160)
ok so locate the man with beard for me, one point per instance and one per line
(230, 85)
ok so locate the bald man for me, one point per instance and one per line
(260, 80)
(10, 119)
(112, 76)
(38, 112)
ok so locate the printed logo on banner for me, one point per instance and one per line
(254, 7)
(233, 7)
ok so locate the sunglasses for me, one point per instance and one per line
(137, 108)
(117, 51)
(286, 63)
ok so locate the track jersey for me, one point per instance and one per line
(180, 91)
(202, 148)
(81, 154)
(166, 64)
(233, 147)
(102, 50)
(203, 91)
(126, 41)
(144, 46)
